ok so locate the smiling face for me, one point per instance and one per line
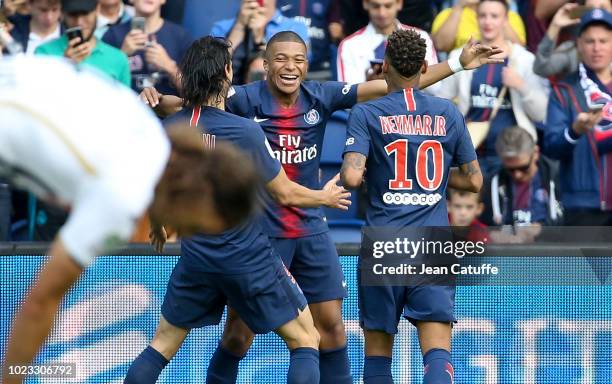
(286, 65)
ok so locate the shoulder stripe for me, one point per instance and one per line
(195, 116)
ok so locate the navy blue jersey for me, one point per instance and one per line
(485, 88)
(175, 40)
(245, 247)
(296, 136)
(411, 140)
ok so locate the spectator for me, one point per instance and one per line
(90, 51)
(578, 129)
(41, 26)
(360, 55)
(477, 91)
(249, 31)
(153, 53)
(453, 27)
(322, 18)
(464, 208)
(111, 12)
(524, 191)
(564, 59)
(15, 7)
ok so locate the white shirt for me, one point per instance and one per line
(34, 40)
(73, 137)
(357, 50)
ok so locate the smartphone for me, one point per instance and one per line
(138, 22)
(75, 32)
(578, 11)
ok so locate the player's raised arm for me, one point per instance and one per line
(472, 56)
(353, 168)
(287, 192)
(466, 177)
(163, 105)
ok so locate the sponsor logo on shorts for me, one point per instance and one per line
(411, 198)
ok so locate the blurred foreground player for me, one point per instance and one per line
(238, 267)
(108, 168)
(293, 114)
(408, 140)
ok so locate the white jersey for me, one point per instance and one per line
(73, 137)
(357, 51)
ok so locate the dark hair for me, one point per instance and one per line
(203, 71)
(285, 37)
(504, 2)
(406, 51)
(224, 172)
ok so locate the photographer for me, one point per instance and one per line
(82, 46)
(153, 46)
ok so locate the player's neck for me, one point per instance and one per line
(215, 103)
(283, 99)
(397, 83)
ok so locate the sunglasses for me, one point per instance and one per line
(520, 168)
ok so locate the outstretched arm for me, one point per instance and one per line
(472, 56)
(287, 192)
(163, 105)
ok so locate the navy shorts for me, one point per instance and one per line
(265, 298)
(313, 261)
(380, 307)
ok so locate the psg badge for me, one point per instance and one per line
(312, 117)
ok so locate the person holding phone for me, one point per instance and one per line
(257, 21)
(562, 60)
(153, 45)
(578, 128)
(80, 45)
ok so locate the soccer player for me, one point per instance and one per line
(238, 267)
(293, 114)
(407, 140)
(82, 142)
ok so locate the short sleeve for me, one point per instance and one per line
(339, 95)
(439, 20)
(237, 101)
(265, 162)
(518, 26)
(464, 149)
(357, 134)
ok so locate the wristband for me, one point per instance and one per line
(455, 64)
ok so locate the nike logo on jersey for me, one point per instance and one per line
(258, 120)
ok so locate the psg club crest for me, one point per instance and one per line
(312, 117)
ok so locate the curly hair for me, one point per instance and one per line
(203, 71)
(406, 51)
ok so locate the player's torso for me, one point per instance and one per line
(239, 249)
(411, 151)
(295, 136)
(55, 139)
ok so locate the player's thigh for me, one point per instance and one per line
(433, 334)
(237, 336)
(193, 298)
(168, 338)
(265, 298)
(57, 276)
(316, 267)
(285, 249)
(299, 332)
(327, 316)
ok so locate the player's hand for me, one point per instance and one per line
(158, 238)
(157, 55)
(135, 40)
(151, 96)
(78, 51)
(586, 121)
(475, 55)
(338, 197)
(511, 79)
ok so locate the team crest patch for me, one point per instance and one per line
(312, 117)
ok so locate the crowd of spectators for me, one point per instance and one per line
(544, 115)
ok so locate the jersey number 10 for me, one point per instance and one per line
(401, 180)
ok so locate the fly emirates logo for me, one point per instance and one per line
(428, 165)
(292, 152)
